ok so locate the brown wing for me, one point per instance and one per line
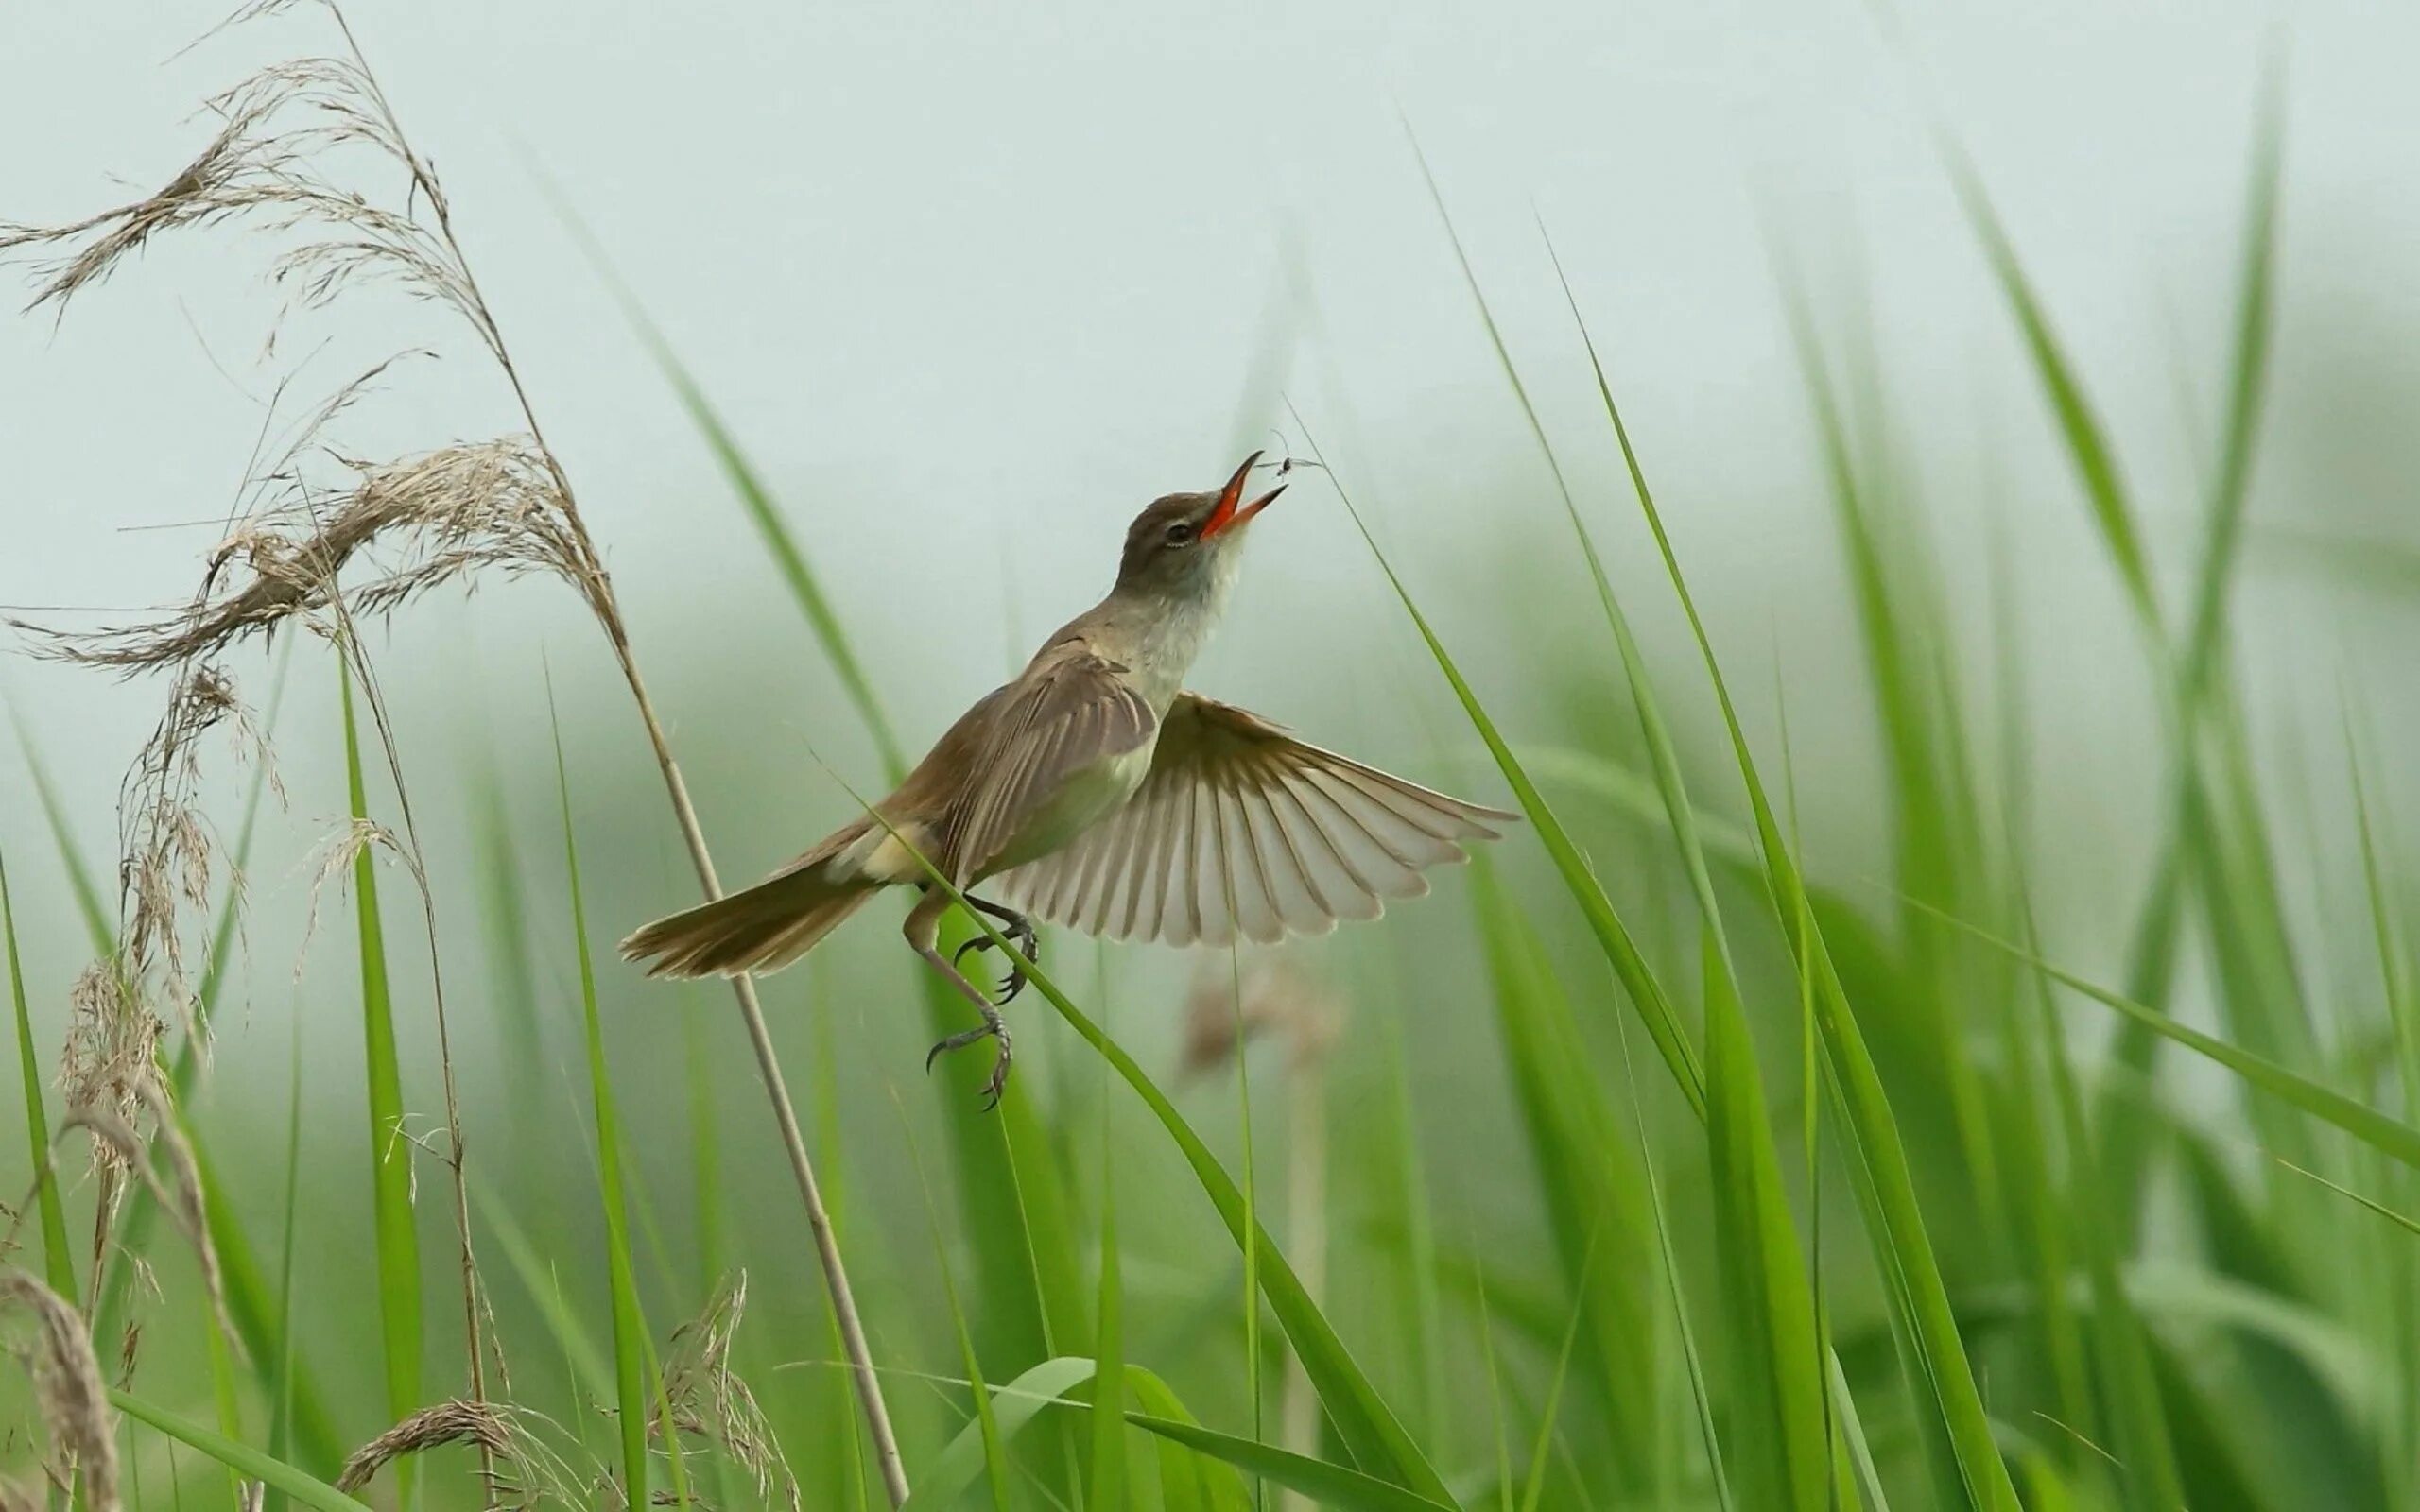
(1241, 830)
(1046, 727)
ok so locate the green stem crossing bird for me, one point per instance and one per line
(1101, 794)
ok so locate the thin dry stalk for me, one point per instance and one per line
(263, 167)
(68, 1389)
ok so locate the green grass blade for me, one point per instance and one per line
(306, 1489)
(2147, 1455)
(1001, 1415)
(2397, 1140)
(1780, 1433)
(1030, 1284)
(59, 1263)
(2247, 386)
(1700, 1399)
(391, 1149)
(1370, 1430)
(1550, 1415)
(1329, 1484)
(631, 1343)
(1654, 1008)
(2086, 440)
(1108, 1489)
(281, 1382)
(756, 499)
(100, 925)
(989, 1436)
(1899, 1237)
(1590, 1184)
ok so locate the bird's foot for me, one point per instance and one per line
(1019, 931)
(993, 1027)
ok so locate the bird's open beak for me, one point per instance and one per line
(1228, 515)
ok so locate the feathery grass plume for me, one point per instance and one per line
(527, 1471)
(457, 513)
(708, 1398)
(68, 1388)
(442, 517)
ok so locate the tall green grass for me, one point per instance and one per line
(1873, 1220)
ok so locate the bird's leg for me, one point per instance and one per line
(1019, 931)
(922, 931)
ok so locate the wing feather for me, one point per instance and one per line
(1239, 831)
(1051, 725)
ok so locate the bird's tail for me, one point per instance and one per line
(761, 928)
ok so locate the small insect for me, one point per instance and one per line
(1288, 463)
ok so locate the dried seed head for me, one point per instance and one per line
(709, 1400)
(68, 1387)
(111, 1063)
(450, 516)
(527, 1472)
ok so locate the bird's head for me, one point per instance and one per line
(1184, 545)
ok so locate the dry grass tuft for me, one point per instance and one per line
(526, 1472)
(710, 1401)
(68, 1388)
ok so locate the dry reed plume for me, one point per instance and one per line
(69, 1389)
(326, 537)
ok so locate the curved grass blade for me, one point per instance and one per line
(987, 1424)
(59, 1263)
(1108, 1489)
(1898, 1236)
(631, 1344)
(1329, 1484)
(1000, 1416)
(308, 1490)
(391, 1150)
(1052, 1383)
(2389, 1137)
(1370, 1430)
(1629, 966)
(2146, 1454)
(1030, 1284)
(2086, 440)
(90, 906)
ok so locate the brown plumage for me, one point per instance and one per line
(1106, 799)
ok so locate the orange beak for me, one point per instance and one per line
(1227, 515)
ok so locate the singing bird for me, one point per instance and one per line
(1094, 791)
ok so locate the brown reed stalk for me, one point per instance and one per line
(506, 505)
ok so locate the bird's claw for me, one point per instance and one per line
(991, 1028)
(1013, 983)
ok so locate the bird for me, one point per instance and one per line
(1095, 791)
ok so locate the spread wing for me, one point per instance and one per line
(1046, 728)
(1241, 830)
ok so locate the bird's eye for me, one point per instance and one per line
(1180, 534)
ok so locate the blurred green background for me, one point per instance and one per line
(968, 290)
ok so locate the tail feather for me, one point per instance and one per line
(761, 928)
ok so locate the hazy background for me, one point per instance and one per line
(972, 285)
